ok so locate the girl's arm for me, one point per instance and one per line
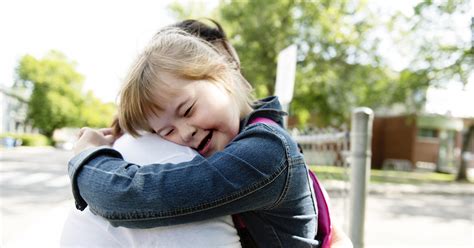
(249, 174)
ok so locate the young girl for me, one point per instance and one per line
(183, 90)
(84, 229)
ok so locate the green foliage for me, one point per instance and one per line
(56, 98)
(340, 64)
(56, 91)
(192, 9)
(337, 67)
(28, 139)
(259, 30)
(437, 46)
(96, 114)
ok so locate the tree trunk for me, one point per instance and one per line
(462, 172)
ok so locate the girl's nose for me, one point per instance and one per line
(187, 132)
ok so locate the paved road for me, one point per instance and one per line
(33, 185)
(415, 220)
(35, 198)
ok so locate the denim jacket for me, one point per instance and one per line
(260, 174)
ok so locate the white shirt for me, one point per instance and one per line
(84, 229)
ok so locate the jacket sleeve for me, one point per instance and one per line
(247, 175)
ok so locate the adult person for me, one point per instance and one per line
(85, 229)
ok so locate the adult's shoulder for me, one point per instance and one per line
(150, 148)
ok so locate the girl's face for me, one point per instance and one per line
(200, 115)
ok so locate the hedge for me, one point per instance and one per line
(28, 139)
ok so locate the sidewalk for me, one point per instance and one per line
(39, 228)
(402, 215)
(342, 187)
(36, 198)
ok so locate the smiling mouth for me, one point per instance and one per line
(204, 145)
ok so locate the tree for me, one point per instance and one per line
(340, 61)
(338, 64)
(96, 114)
(447, 59)
(433, 40)
(56, 98)
(461, 175)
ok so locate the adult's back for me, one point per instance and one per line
(84, 229)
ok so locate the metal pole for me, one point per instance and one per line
(361, 138)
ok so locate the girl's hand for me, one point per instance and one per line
(340, 238)
(89, 137)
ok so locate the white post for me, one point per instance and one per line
(361, 152)
(285, 80)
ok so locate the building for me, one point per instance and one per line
(13, 112)
(431, 140)
(409, 141)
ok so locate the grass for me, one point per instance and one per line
(384, 176)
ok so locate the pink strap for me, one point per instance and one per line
(324, 215)
(238, 221)
(262, 120)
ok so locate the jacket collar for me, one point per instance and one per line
(268, 107)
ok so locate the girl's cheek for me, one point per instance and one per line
(175, 139)
(202, 118)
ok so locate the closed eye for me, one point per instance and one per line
(165, 133)
(188, 111)
(169, 132)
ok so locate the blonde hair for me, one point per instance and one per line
(175, 51)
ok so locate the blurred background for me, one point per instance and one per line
(410, 61)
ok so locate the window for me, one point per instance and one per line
(427, 133)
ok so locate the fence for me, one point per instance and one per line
(325, 147)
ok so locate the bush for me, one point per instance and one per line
(28, 139)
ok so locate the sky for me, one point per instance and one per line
(102, 36)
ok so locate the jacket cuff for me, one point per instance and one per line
(77, 162)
